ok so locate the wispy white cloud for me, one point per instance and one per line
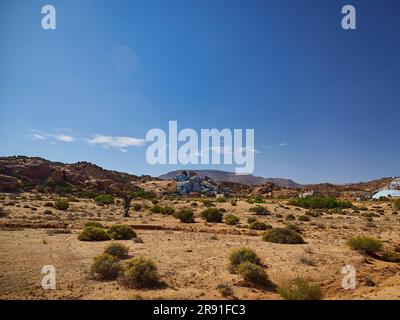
(37, 136)
(63, 137)
(121, 143)
(282, 144)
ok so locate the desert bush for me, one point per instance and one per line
(106, 267)
(231, 219)
(300, 289)
(93, 234)
(252, 273)
(321, 202)
(220, 199)
(258, 225)
(290, 217)
(137, 206)
(141, 273)
(145, 194)
(397, 203)
(212, 215)
(49, 204)
(234, 203)
(238, 256)
(282, 235)
(391, 256)
(48, 212)
(3, 213)
(225, 290)
(117, 250)
(193, 204)
(260, 211)
(295, 227)
(156, 208)
(185, 215)
(121, 232)
(104, 199)
(304, 218)
(93, 224)
(364, 244)
(167, 210)
(61, 204)
(251, 220)
(258, 199)
(208, 203)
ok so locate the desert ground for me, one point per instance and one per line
(192, 259)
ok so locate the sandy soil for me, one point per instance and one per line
(192, 259)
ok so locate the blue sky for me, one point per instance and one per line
(324, 102)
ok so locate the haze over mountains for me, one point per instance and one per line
(225, 176)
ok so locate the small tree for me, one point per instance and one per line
(128, 193)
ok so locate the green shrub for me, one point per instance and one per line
(61, 204)
(208, 203)
(121, 232)
(156, 208)
(185, 215)
(141, 273)
(167, 210)
(251, 220)
(93, 224)
(391, 256)
(137, 206)
(364, 244)
(321, 202)
(258, 199)
(93, 234)
(117, 250)
(304, 218)
(225, 290)
(145, 194)
(231, 219)
(258, 225)
(300, 289)
(397, 203)
(212, 215)
(260, 211)
(3, 213)
(238, 256)
(106, 267)
(104, 199)
(283, 235)
(252, 273)
(294, 227)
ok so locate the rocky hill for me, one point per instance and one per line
(20, 173)
(224, 176)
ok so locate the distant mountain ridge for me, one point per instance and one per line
(225, 176)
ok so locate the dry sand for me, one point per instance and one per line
(192, 259)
